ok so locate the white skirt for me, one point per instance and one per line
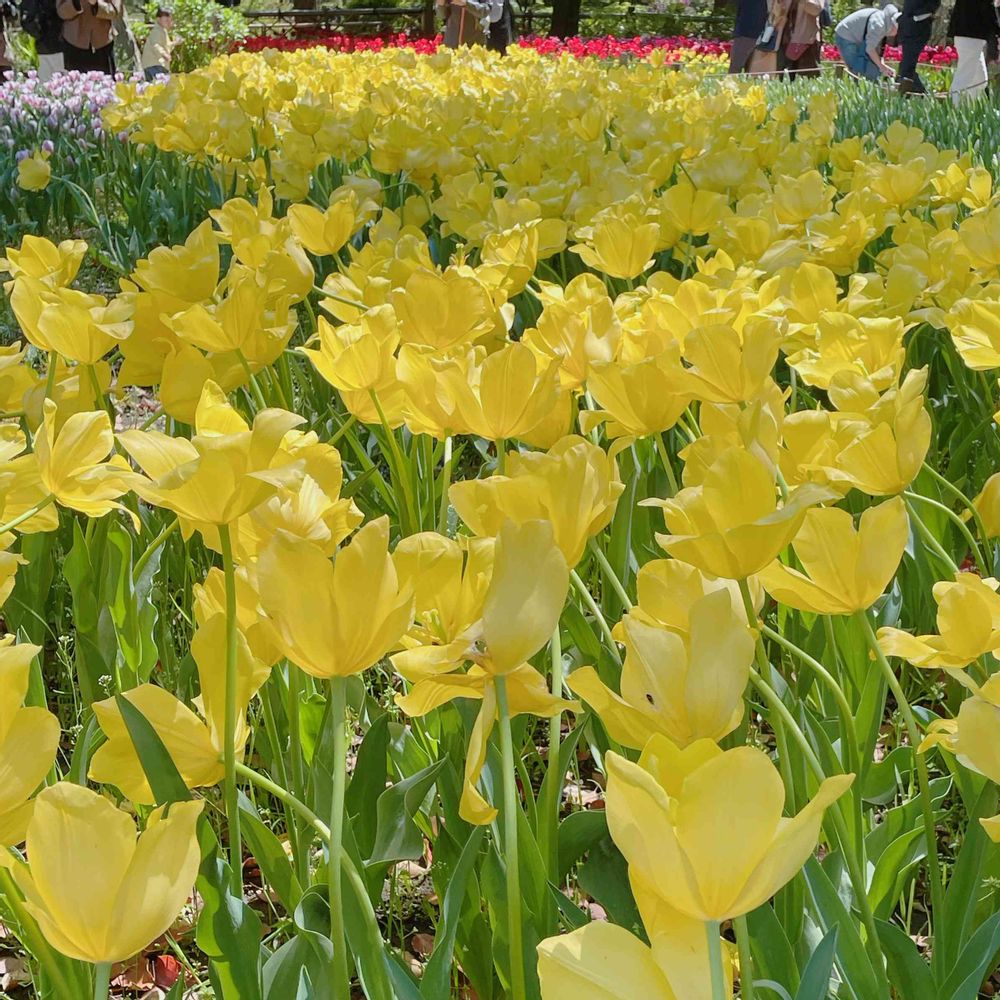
(970, 77)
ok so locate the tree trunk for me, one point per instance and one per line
(427, 26)
(565, 18)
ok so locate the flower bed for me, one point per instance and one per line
(607, 47)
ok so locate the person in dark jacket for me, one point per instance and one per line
(914, 33)
(973, 24)
(751, 16)
(501, 33)
(40, 20)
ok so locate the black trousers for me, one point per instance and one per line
(913, 36)
(85, 61)
(502, 31)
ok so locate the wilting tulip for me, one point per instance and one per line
(731, 525)
(968, 621)
(326, 232)
(687, 686)
(703, 827)
(575, 486)
(846, 569)
(99, 894)
(334, 619)
(29, 738)
(54, 265)
(195, 746)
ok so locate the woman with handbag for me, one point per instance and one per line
(973, 23)
(801, 53)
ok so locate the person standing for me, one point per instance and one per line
(6, 65)
(89, 34)
(751, 16)
(860, 38)
(915, 25)
(501, 26)
(156, 51)
(40, 20)
(802, 48)
(973, 24)
(463, 22)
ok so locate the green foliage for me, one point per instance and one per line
(203, 29)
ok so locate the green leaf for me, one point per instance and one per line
(772, 953)
(397, 837)
(604, 876)
(815, 983)
(909, 974)
(368, 783)
(578, 833)
(851, 959)
(228, 932)
(157, 764)
(977, 960)
(436, 982)
(293, 971)
(893, 868)
(269, 855)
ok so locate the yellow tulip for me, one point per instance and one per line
(799, 199)
(886, 456)
(968, 621)
(326, 232)
(34, 172)
(844, 569)
(70, 323)
(731, 525)
(687, 686)
(29, 738)
(334, 619)
(731, 366)
(987, 505)
(618, 243)
(442, 310)
(357, 358)
(98, 893)
(672, 816)
(195, 746)
(73, 463)
(602, 961)
(972, 737)
(189, 272)
(218, 475)
(575, 486)
(37, 257)
(638, 399)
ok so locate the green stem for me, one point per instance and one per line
(550, 827)
(511, 860)
(718, 971)
(746, 959)
(661, 450)
(258, 395)
(27, 515)
(852, 760)
(400, 466)
(284, 796)
(102, 980)
(338, 936)
(151, 419)
(929, 540)
(959, 523)
(854, 872)
(229, 739)
(951, 488)
(764, 666)
(588, 599)
(50, 375)
(609, 572)
(501, 445)
(295, 753)
(445, 486)
(923, 780)
(153, 546)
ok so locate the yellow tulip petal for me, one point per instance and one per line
(600, 961)
(473, 808)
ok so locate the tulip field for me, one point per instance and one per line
(498, 529)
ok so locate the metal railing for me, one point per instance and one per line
(531, 19)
